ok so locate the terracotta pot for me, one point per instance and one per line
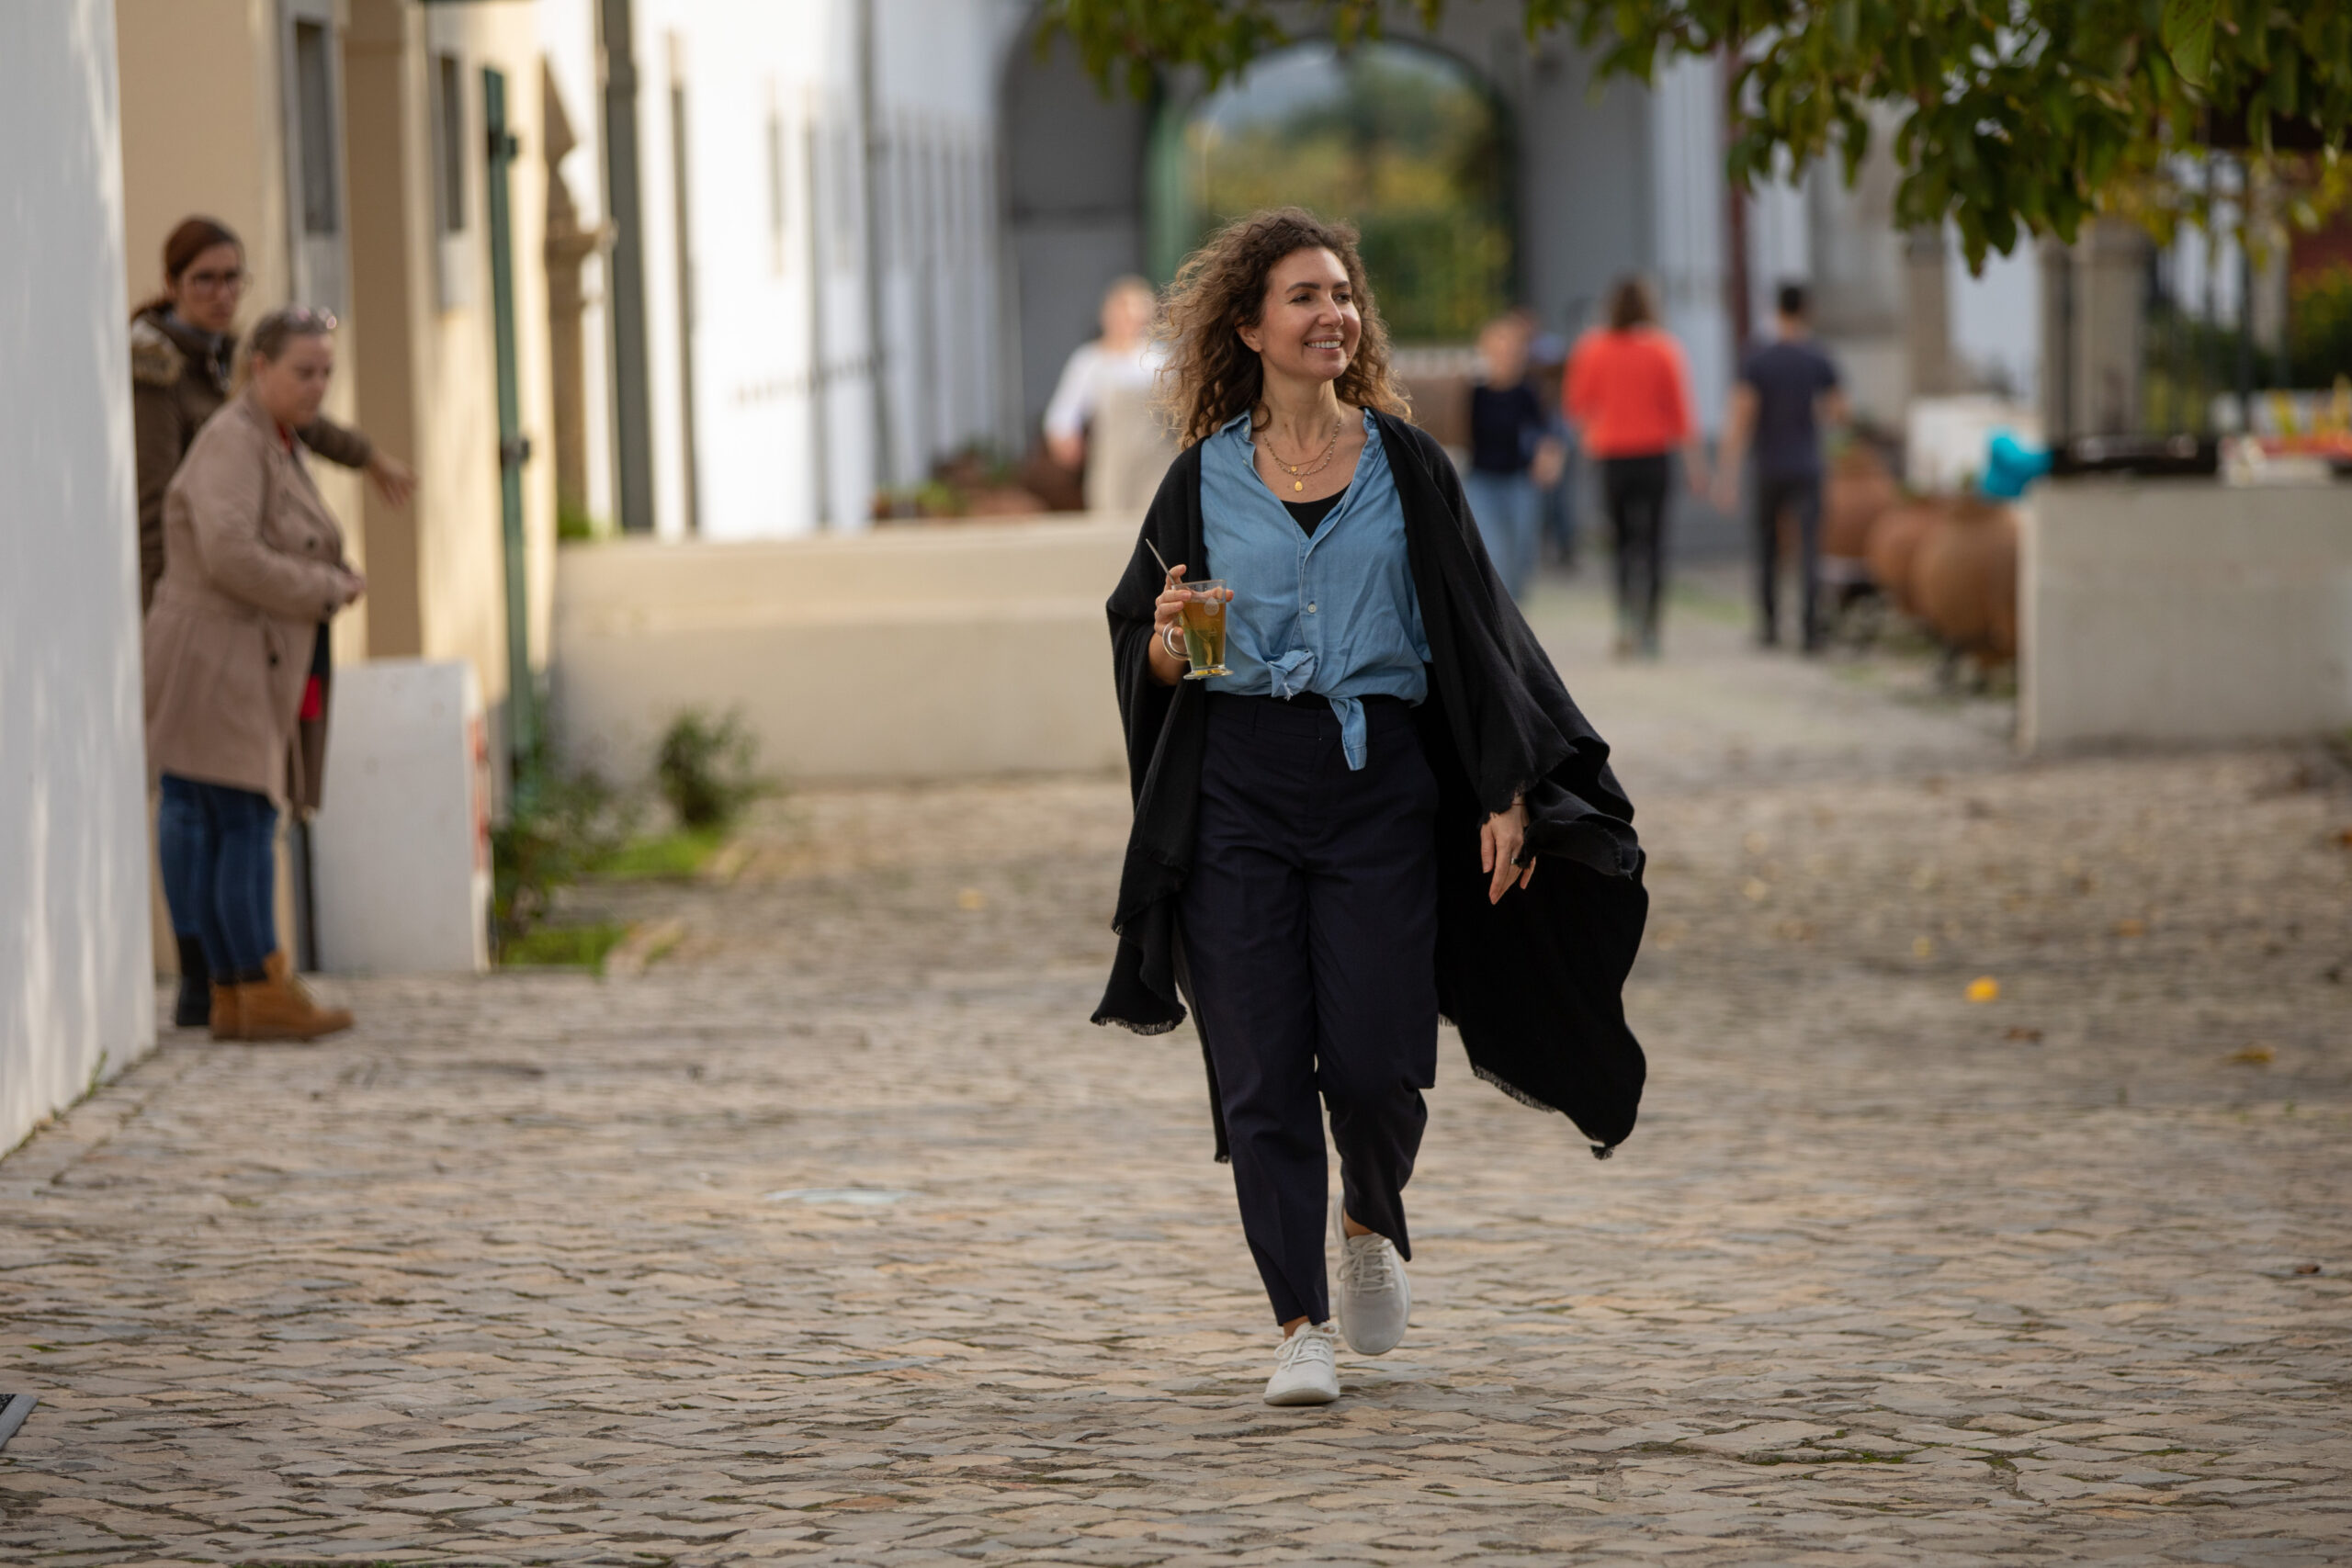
(1895, 534)
(1964, 578)
(1859, 486)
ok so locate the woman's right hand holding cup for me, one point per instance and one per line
(1168, 626)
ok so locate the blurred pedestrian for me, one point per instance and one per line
(183, 347)
(1629, 392)
(1511, 455)
(1101, 420)
(252, 570)
(1547, 354)
(1788, 390)
(1337, 828)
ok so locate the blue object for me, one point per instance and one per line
(2010, 464)
(1334, 612)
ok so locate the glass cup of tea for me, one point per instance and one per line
(1203, 621)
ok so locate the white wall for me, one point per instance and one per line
(782, 395)
(779, 339)
(567, 36)
(75, 998)
(935, 69)
(1687, 224)
(2183, 611)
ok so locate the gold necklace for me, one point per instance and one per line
(1301, 472)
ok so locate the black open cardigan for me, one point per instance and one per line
(1534, 984)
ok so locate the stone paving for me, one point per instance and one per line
(838, 1236)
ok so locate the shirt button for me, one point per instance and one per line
(1310, 609)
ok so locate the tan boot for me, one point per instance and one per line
(228, 1023)
(281, 1006)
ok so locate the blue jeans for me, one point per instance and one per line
(218, 845)
(1508, 510)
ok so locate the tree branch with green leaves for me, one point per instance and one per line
(2011, 117)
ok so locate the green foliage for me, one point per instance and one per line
(573, 525)
(1404, 145)
(706, 769)
(561, 826)
(2011, 117)
(662, 857)
(2319, 327)
(564, 947)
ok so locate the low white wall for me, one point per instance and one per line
(76, 998)
(2183, 611)
(920, 650)
(400, 844)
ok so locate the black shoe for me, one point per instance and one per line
(193, 1010)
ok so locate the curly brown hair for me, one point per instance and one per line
(1211, 374)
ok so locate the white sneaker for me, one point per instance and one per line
(1304, 1372)
(1374, 1301)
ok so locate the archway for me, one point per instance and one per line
(1404, 141)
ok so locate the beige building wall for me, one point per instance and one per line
(921, 651)
(204, 131)
(421, 277)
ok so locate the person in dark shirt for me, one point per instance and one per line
(1788, 390)
(1512, 458)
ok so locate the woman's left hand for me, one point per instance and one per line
(1499, 840)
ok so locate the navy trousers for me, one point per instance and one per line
(1797, 496)
(1310, 939)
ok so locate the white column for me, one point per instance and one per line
(1687, 217)
(77, 1000)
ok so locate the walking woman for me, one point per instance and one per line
(1388, 810)
(1629, 392)
(182, 345)
(253, 569)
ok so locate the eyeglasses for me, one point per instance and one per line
(208, 282)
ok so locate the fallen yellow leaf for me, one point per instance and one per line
(1984, 989)
(2131, 928)
(2254, 1055)
(1922, 948)
(971, 898)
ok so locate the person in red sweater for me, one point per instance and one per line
(1629, 393)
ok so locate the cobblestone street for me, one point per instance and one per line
(839, 1235)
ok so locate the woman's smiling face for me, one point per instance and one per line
(1309, 324)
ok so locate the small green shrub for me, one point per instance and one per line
(706, 769)
(561, 826)
(662, 857)
(564, 947)
(573, 525)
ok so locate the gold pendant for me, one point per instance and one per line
(1298, 484)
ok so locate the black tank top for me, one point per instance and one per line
(1309, 514)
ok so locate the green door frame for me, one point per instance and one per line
(514, 446)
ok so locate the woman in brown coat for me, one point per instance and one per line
(252, 570)
(182, 344)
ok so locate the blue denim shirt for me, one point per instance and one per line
(1334, 612)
